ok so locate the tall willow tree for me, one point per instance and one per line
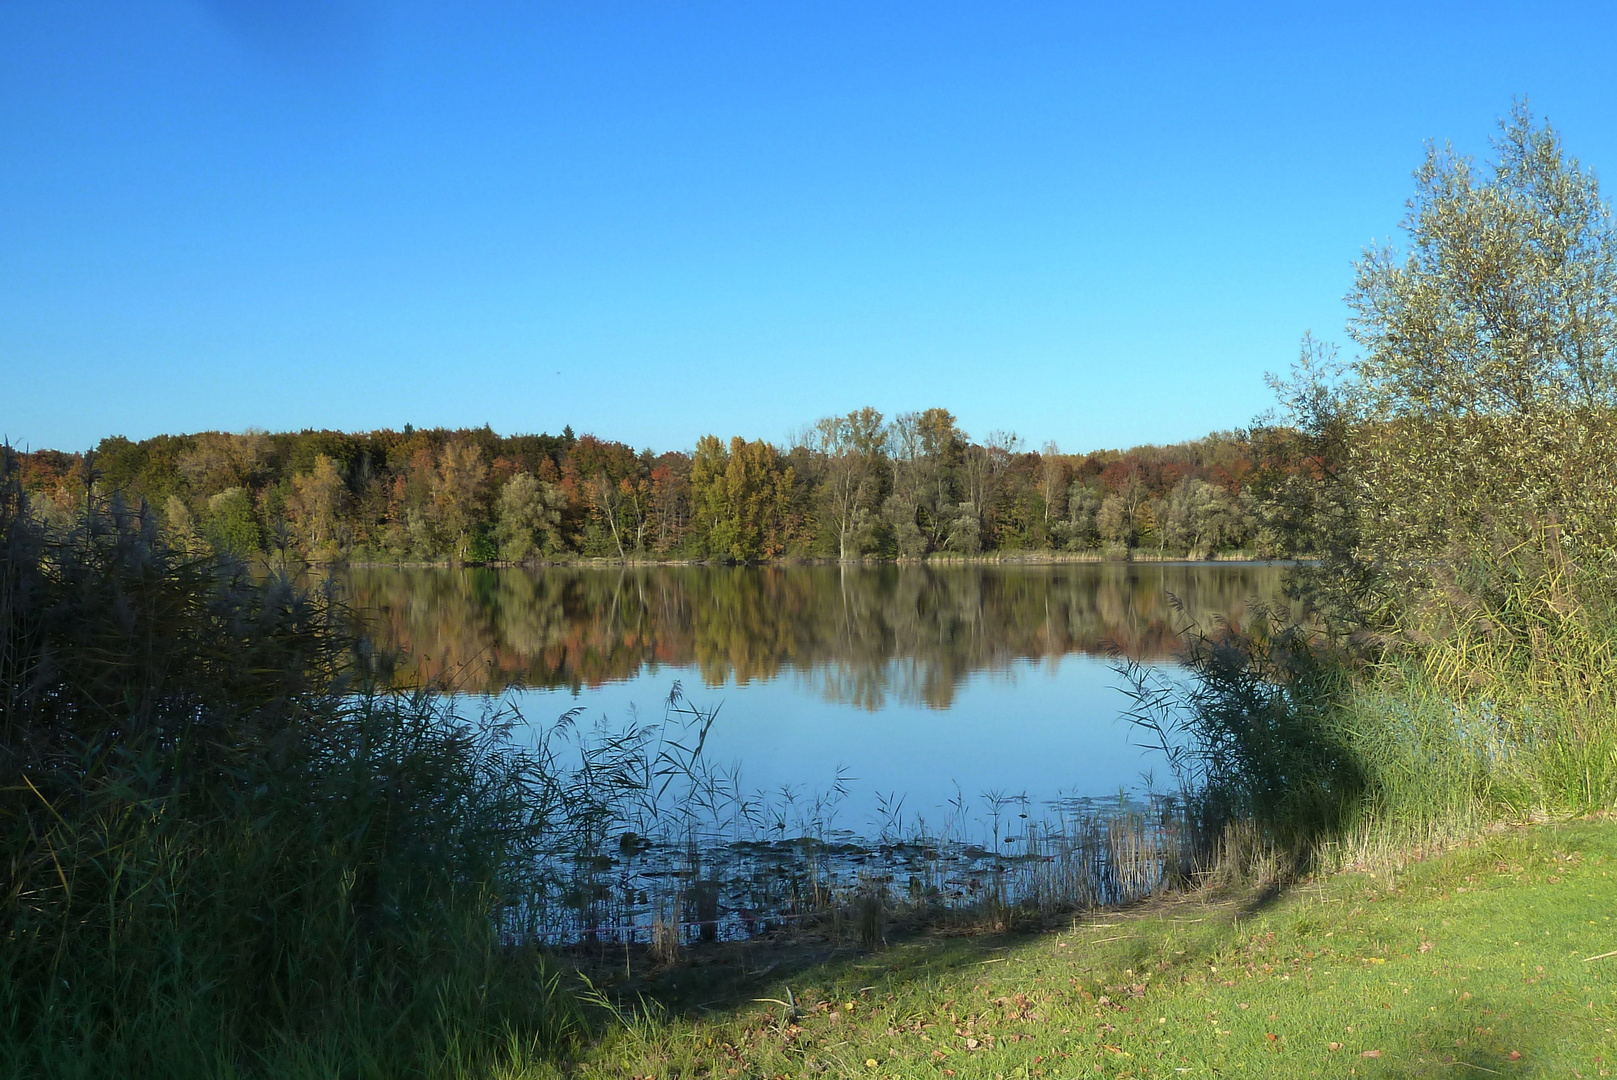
(1475, 437)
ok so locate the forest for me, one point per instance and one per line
(854, 486)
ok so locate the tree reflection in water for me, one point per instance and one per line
(863, 633)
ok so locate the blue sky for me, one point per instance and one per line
(1094, 224)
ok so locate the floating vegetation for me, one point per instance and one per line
(678, 851)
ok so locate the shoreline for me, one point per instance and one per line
(1043, 558)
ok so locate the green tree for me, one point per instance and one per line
(232, 525)
(1199, 519)
(1478, 416)
(853, 453)
(528, 518)
(741, 497)
(1079, 530)
(925, 449)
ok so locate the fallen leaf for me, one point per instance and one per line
(1514, 1055)
(1333, 1046)
(1371, 1053)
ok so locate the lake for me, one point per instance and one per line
(917, 686)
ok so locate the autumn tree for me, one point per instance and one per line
(459, 486)
(621, 505)
(982, 466)
(179, 528)
(217, 460)
(1119, 519)
(316, 510)
(668, 508)
(914, 486)
(1053, 480)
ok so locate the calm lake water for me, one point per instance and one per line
(919, 683)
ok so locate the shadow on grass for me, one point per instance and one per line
(1261, 961)
(721, 978)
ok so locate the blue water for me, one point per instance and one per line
(1046, 729)
(924, 684)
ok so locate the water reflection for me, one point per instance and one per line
(863, 636)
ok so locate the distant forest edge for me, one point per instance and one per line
(853, 486)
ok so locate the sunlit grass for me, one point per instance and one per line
(1476, 961)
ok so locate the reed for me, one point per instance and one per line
(1493, 696)
(1254, 738)
(226, 858)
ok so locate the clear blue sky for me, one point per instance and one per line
(1095, 224)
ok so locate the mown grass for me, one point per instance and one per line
(1474, 962)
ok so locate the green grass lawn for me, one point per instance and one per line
(1472, 963)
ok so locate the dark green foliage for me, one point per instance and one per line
(222, 858)
(231, 526)
(1254, 735)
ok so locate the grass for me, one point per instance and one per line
(1476, 962)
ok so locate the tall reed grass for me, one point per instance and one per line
(1252, 736)
(225, 858)
(1493, 696)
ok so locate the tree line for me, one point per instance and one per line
(859, 485)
